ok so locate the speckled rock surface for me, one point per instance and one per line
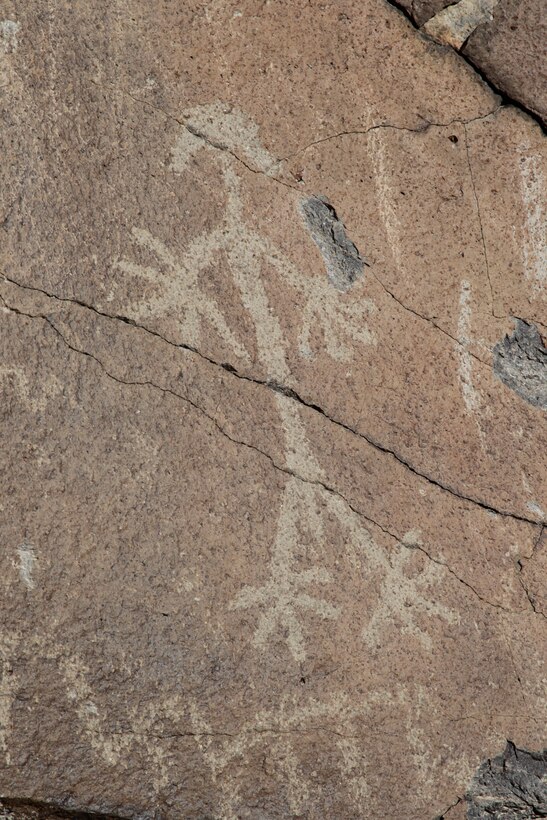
(510, 50)
(273, 478)
(504, 39)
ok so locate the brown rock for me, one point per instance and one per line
(453, 25)
(423, 10)
(273, 481)
(504, 39)
(510, 51)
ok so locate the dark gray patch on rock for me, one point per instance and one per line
(20, 808)
(343, 261)
(512, 786)
(520, 361)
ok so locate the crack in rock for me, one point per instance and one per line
(512, 786)
(278, 388)
(343, 261)
(520, 361)
(311, 481)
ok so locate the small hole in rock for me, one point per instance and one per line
(302, 679)
(453, 138)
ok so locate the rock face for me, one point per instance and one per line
(510, 786)
(273, 337)
(505, 39)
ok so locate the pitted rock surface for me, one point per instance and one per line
(274, 464)
(504, 39)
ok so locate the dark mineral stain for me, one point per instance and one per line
(520, 361)
(343, 261)
(20, 808)
(512, 786)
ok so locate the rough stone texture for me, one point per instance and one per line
(21, 809)
(343, 261)
(423, 10)
(520, 361)
(510, 50)
(505, 39)
(273, 541)
(453, 25)
(509, 787)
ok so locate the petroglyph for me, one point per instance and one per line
(9, 29)
(338, 319)
(402, 595)
(377, 151)
(273, 730)
(402, 598)
(8, 686)
(341, 320)
(282, 599)
(179, 292)
(470, 395)
(27, 563)
(139, 720)
(34, 392)
(255, 561)
(534, 239)
(224, 127)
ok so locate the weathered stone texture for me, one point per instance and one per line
(504, 39)
(273, 483)
(510, 50)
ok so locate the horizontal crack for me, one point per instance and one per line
(427, 124)
(219, 146)
(292, 394)
(287, 471)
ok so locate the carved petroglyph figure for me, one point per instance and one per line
(337, 318)
(140, 720)
(29, 390)
(27, 561)
(9, 30)
(332, 317)
(112, 747)
(402, 596)
(276, 734)
(470, 394)
(284, 597)
(273, 731)
(534, 240)
(179, 286)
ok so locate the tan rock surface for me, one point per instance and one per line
(511, 51)
(504, 39)
(272, 371)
